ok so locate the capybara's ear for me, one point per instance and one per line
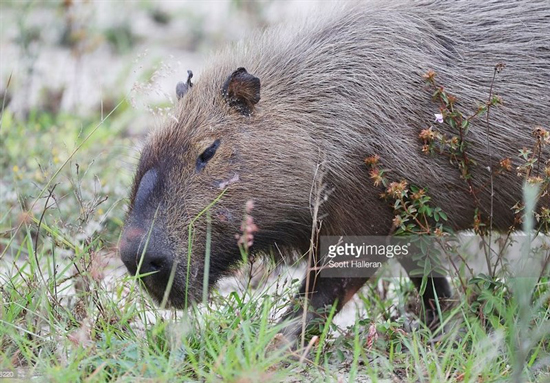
(241, 91)
(183, 87)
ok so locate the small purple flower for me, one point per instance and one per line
(438, 118)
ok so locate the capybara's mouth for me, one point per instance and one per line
(176, 297)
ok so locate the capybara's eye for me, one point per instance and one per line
(207, 155)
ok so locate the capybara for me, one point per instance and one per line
(269, 116)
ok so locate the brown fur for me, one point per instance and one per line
(333, 91)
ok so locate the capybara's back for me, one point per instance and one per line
(269, 115)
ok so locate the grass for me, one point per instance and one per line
(70, 313)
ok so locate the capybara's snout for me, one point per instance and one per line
(144, 245)
(144, 252)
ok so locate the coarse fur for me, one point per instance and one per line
(334, 90)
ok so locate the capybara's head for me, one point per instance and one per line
(194, 178)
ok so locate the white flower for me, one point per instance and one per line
(438, 118)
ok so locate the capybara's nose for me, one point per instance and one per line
(144, 252)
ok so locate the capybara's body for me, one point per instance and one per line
(316, 99)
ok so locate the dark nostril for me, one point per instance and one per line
(144, 256)
(156, 263)
(156, 266)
